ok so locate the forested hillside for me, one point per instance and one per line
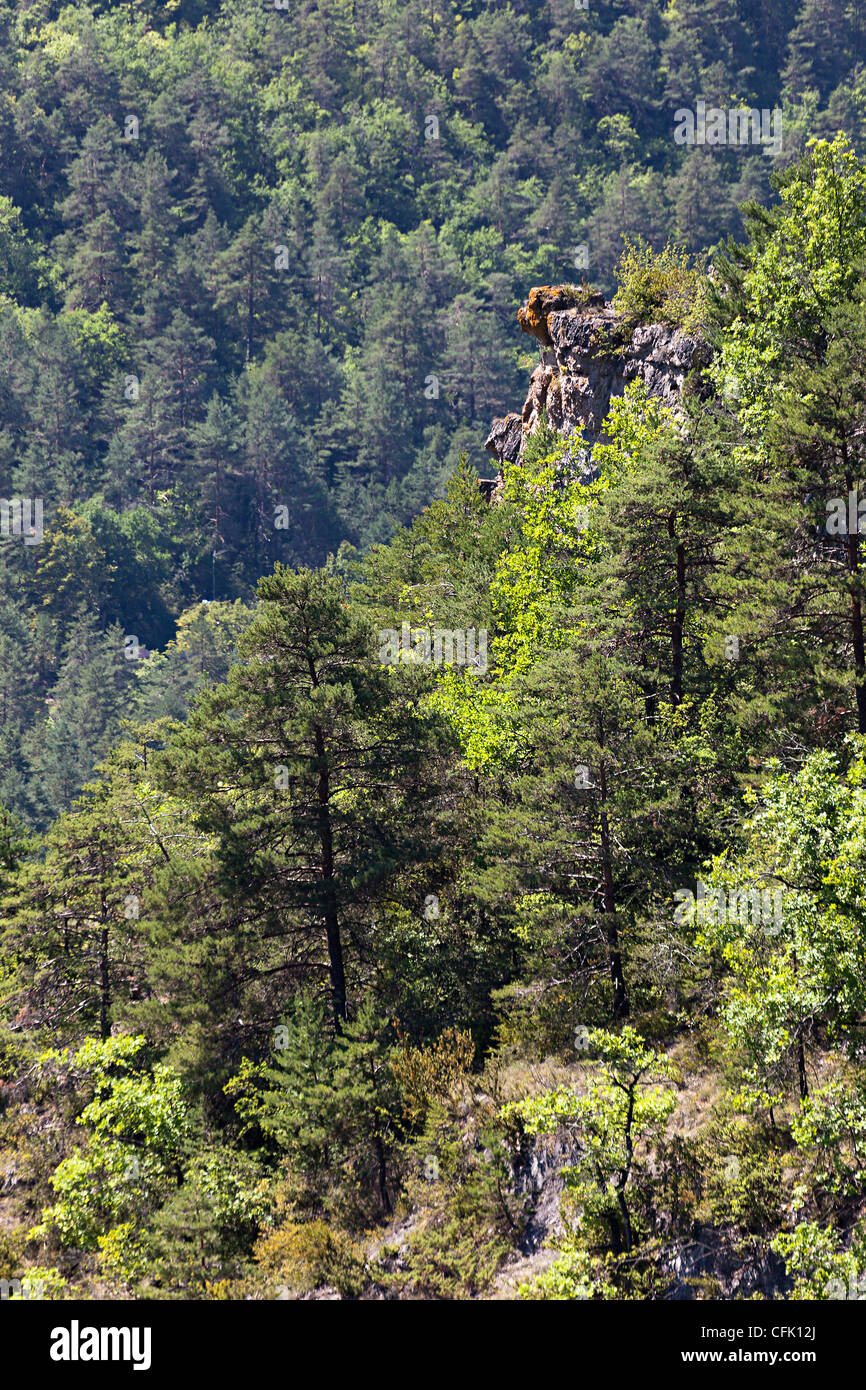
(408, 888)
(259, 268)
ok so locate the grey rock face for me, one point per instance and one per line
(588, 358)
(505, 439)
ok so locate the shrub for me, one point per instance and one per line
(425, 1073)
(742, 1176)
(11, 1251)
(468, 1216)
(660, 287)
(572, 1275)
(306, 1255)
(819, 1266)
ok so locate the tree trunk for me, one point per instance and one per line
(624, 1174)
(650, 697)
(251, 301)
(382, 1174)
(626, 1221)
(801, 1070)
(679, 620)
(857, 636)
(104, 985)
(852, 559)
(620, 997)
(326, 865)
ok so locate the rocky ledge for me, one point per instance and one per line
(588, 357)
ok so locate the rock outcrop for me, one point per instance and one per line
(588, 357)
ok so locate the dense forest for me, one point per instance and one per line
(414, 889)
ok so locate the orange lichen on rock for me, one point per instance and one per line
(532, 316)
(544, 300)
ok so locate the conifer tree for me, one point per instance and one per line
(316, 782)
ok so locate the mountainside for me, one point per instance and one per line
(430, 873)
(259, 267)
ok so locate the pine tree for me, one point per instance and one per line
(97, 212)
(88, 702)
(72, 914)
(334, 778)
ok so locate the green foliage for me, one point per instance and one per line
(830, 1127)
(330, 1105)
(303, 1256)
(573, 1274)
(468, 1218)
(205, 1231)
(613, 1124)
(137, 1126)
(11, 1250)
(742, 1176)
(346, 965)
(159, 1215)
(797, 965)
(220, 329)
(660, 287)
(819, 1268)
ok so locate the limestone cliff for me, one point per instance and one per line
(588, 357)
